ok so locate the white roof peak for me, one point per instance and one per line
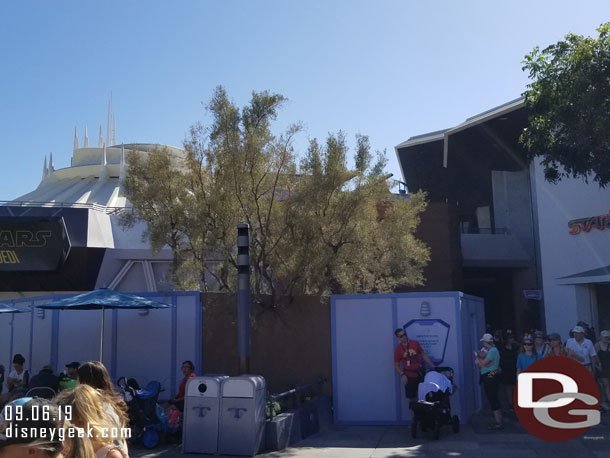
(75, 139)
(45, 170)
(113, 128)
(86, 144)
(99, 140)
(110, 124)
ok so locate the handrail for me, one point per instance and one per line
(295, 390)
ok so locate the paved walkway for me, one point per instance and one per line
(473, 441)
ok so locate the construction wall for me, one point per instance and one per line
(290, 345)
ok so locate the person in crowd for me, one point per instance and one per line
(408, 356)
(72, 369)
(94, 374)
(67, 379)
(89, 413)
(555, 347)
(498, 337)
(540, 346)
(45, 379)
(527, 356)
(589, 331)
(188, 371)
(602, 347)
(489, 363)
(582, 349)
(18, 378)
(509, 351)
(42, 437)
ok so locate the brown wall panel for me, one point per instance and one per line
(290, 345)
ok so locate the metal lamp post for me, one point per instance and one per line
(243, 297)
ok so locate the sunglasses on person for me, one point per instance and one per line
(401, 336)
(528, 344)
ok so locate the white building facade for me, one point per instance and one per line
(574, 238)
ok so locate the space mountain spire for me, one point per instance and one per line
(45, 170)
(75, 139)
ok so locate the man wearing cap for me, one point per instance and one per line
(582, 350)
(46, 379)
(34, 428)
(603, 376)
(68, 380)
(410, 354)
(72, 369)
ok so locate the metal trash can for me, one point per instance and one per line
(201, 413)
(242, 415)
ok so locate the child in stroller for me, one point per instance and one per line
(433, 408)
(147, 419)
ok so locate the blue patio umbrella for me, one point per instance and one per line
(102, 299)
(5, 308)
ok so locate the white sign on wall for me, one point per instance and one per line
(432, 336)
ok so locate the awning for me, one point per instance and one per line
(599, 275)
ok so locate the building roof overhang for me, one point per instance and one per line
(473, 121)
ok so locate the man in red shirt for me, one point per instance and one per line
(410, 354)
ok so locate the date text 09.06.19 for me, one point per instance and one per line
(37, 413)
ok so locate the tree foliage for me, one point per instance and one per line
(569, 104)
(316, 227)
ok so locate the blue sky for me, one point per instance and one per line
(387, 69)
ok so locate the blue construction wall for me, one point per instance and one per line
(366, 388)
(147, 345)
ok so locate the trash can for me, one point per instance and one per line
(242, 415)
(201, 413)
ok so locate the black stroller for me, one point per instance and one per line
(433, 408)
(148, 420)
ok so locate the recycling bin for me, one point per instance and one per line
(242, 415)
(201, 414)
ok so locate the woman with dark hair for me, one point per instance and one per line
(188, 370)
(18, 378)
(528, 355)
(94, 374)
(39, 429)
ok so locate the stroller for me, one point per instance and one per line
(147, 419)
(433, 408)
